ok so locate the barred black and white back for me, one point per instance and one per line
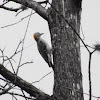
(44, 49)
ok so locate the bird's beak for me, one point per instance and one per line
(41, 33)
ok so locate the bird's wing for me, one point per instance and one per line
(44, 50)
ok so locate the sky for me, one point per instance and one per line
(90, 24)
(12, 35)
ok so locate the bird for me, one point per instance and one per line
(44, 49)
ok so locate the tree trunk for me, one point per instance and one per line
(66, 49)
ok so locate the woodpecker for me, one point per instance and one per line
(44, 49)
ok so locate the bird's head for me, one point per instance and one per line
(37, 35)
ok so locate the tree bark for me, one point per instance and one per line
(35, 6)
(66, 50)
(29, 88)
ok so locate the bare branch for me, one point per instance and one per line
(11, 64)
(4, 91)
(42, 77)
(33, 91)
(18, 21)
(13, 97)
(26, 63)
(23, 94)
(10, 9)
(90, 46)
(16, 52)
(4, 3)
(89, 72)
(2, 51)
(23, 44)
(4, 79)
(22, 9)
(5, 58)
(35, 6)
(20, 95)
(43, 2)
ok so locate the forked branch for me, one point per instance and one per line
(29, 88)
(35, 6)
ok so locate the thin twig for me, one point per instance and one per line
(23, 94)
(16, 51)
(90, 46)
(23, 44)
(23, 8)
(13, 96)
(8, 62)
(26, 63)
(42, 77)
(5, 85)
(4, 3)
(4, 79)
(20, 95)
(2, 51)
(11, 64)
(5, 90)
(18, 21)
(10, 9)
(1, 86)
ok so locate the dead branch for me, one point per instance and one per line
(9, 9)
(16, 94)
(16, 52)
(22, 9)
(4, 91)
(42, 77)
(33, 91)
(26, 63)
(35, 6)
(18, 21)
(23, 44)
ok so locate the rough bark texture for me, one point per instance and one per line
(66, 47)
(29, 88)
(35, 6)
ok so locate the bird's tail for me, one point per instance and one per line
(51, 65)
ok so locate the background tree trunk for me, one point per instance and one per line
(66, 48)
